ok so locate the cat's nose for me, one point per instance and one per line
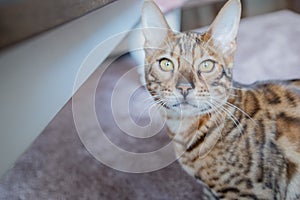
(184, 89)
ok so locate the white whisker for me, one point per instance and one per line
(234, 106)
(230, 115)
(217, 121)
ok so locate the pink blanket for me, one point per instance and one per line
(168, 5)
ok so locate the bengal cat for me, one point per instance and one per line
(239, 141)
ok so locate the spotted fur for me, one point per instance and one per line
(239, 141)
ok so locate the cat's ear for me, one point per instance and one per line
(224, 29)
(154, 24)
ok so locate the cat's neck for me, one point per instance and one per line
(205, 130)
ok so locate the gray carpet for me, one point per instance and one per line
(58, 166)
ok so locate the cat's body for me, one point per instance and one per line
(243, 142)
(256, 158)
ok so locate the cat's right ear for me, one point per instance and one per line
(154, 24)
(224, 29)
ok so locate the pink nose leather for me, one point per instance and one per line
(184, 89)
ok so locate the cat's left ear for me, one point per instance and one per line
(224, 29)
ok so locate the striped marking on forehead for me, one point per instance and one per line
(192, 46)
(185, 43)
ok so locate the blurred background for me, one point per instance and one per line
(198, 13)
(22, 19)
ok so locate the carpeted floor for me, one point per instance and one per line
(58, 166)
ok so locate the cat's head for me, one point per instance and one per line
(190, 73)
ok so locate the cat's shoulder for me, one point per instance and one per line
(280, 87)
(278, 97)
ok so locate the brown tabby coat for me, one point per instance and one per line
(242, 141)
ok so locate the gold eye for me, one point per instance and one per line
(207, 66)
(166, 65)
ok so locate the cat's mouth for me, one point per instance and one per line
(188, 105)
(184, 104)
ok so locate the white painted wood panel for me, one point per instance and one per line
(37, 76)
